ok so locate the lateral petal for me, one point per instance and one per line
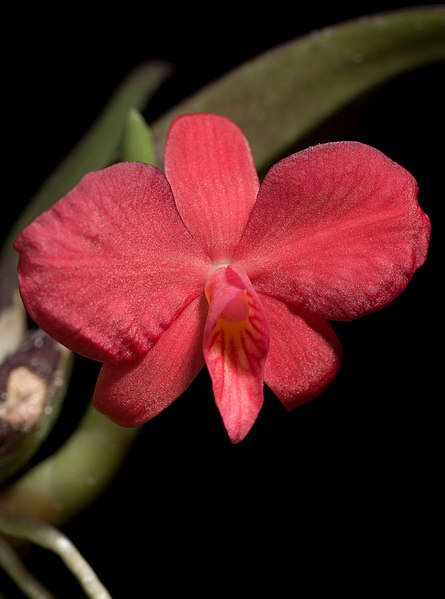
(336, 230)
(135, 392)
(304, 354)
(108, 268)
(210, 168)
(236, 341)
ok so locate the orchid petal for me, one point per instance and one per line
(135, 392)
(336, 231)
(304, 354)
(108, 268)
(210, 168)
(236, 340)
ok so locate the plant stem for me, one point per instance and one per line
(65, 483)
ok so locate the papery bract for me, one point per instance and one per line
(153, 275)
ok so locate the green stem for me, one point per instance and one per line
(48, 537)
(25, 581)
(65, 483)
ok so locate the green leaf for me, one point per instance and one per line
(101, 144)
(98, 148)
(138, 144)
(279, 97)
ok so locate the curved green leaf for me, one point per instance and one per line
(101, 144)
(97, 149)
(279, 97)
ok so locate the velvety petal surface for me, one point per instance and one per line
(108, 268)
(135, 392)
(236, 340)
(336, 230)
(210, 168)
(304, 354)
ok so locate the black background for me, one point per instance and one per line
(349, 477)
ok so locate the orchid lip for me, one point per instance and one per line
(235, 346)
(237, 310)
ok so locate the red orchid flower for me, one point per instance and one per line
(154, 275)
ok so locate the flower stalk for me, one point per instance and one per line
(66, 482)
